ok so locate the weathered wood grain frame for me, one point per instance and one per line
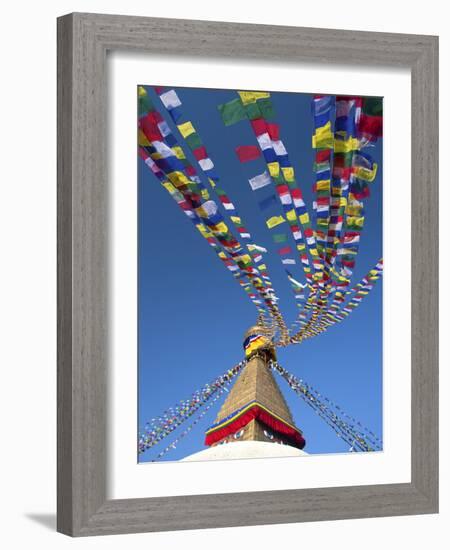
(83, 42)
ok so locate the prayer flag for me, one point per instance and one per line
(267, 202)
(170, 99)
(274, 221)
(266, 108)
(273, 130)
(260, 181)
(279, 238)
(186, 129)
(323, 137)
(251, 97)
(232, 112)
(246, 153)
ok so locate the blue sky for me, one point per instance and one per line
(193, 314)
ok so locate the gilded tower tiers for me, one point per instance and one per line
(255, 409)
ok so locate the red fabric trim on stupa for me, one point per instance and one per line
(256, 412)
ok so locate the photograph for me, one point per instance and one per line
(260, 262)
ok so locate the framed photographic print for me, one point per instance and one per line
(247, 274)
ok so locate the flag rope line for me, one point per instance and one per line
(352, 432)
(161, 426)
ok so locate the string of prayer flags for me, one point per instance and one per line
(340, 176)
(357, 436)
(282, 173)
(239, 263)
(326, 246)
(322, 111)
(247, 153)
(160, 427)
(185, 183)
(338, 311)
(363, 172)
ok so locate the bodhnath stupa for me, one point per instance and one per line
(255, 420)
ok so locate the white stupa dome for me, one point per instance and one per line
(245, 449)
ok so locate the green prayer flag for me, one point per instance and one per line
(253, 111)
(193, 141)
(266, 108)
(145, 105)
(373, 106)
(279, 237)
(232, 112)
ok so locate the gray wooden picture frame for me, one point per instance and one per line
(83, 42)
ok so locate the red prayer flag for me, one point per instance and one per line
(200, 153)
(285, 250)
(273, 130)
(247, 152)
(323, 155)
(149, 125)
(143, 153)
(259, 126)
(371, 125)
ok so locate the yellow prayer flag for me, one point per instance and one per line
(345, 146)
(251, 97)
(205, 195)
(244, 258)
(323, 137)
(353, 209)
(262, 267)
(219, 228)
(212, 183)
(291, 215)
(178, 178)
(353, 221)
(156, 156)
(142, 139)
(235, 219)
(179, 153)
(186, 129)
(304, 218)
(204, 231)
(288, 173)
(366, 174)
(274, 221)
(169, 186)
(323, 185)
(274, 169)
(141, 91)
